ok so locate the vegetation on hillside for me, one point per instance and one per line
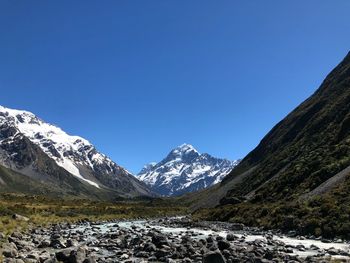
(298, 176)
(320, 216)
(43, 211)
(308, 147)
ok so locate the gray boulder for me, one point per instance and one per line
(222, 244)
(231, 237)
(159, 240)
(9, 250)
(78, 256)
(214, 257)
(20, 218)
(237, 227)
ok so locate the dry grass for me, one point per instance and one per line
(44, 211)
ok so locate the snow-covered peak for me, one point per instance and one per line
(148, 167)
(69, 152)
(151, 164)
(30, 125)
(185, 148)
(185, 170)
(182, 153)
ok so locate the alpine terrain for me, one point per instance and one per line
(54, 162)
(185, 170)
(299, 175)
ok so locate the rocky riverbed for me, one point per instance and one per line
(165, 240)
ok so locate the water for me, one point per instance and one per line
(198, 233)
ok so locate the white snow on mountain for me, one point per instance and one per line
(185, 170)
(68, 151)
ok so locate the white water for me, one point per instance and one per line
(201, 233)
(204, 233)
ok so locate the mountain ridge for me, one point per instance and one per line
(298, 177)
(25, 140)
(184, 170)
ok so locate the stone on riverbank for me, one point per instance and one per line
(214, 257)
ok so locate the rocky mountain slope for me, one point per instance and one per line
(41, 151)
(185, 170)
(299, 175)
(310, 146)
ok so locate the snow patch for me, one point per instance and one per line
(185, 168)
(64, 149)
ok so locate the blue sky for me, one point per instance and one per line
(138, 78)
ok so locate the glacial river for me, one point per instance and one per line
(302, 247)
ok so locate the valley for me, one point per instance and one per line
(174, 131)
(286, 201)
(177, 239)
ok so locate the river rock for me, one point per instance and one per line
(142, 254)
(149, 247)
(231, 237)
(210, 239)
(237, 227)
(222, 244)
(71, 243)
(44, 256)
(333, 251)
(89, 260)
(138, 244)
(159, 240)
(17, 235)
(77, 256)
(63, 255)
(9, 250)
(13, 260)
(214, 257)
(50, 260)
(44, 244)
(57, 243)
(20, 218)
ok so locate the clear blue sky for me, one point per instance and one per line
(138, 77)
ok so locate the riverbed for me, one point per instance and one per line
(166, 240)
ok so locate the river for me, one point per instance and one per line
(167, 240)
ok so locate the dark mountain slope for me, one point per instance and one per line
(30, 171)
(304, 156)
(11, 181)
(305, 149)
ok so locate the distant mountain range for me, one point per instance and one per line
(185, 170)
(298, 177)
(54, 162)
(41, 155)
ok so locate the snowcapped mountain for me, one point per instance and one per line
(77, 156)
(185, 170)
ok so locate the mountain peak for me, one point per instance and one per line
(185, 170)
(183, 153)
(185, 148)
(148, 167)
(73, 153)
(18, 115)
